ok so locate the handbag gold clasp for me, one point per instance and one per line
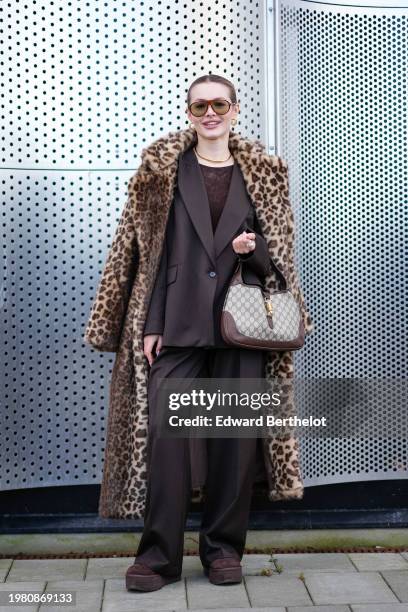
(268, 305)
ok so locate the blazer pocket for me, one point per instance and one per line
(171, 274)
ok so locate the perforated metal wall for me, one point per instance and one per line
(91, 83)
(342, 99)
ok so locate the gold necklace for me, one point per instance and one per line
(217, 161)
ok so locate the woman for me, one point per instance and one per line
(174, 303)
(193, 346)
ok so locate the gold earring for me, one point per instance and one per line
(234, 121)
(192, 126)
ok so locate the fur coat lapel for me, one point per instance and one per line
(119, 310)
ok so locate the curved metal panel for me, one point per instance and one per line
(90, 84)
(342, 97)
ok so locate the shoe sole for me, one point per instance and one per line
(225, 575)
(148, 583)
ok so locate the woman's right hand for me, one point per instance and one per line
(148, 345)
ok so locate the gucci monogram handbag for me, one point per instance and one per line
(255, 318)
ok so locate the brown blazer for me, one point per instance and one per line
(196, 264)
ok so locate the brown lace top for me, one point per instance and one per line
(217, 181)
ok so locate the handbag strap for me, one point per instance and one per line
(281, 277)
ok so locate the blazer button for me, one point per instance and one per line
(212, 274)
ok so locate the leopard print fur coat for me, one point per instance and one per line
(118, 313)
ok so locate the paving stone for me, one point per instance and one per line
(116, 597)
(88, 595)
(116, 567)
(252, 565)
(37, 586)
(335, 608)
(5, 565)
(200, 590)
(325, 562)
(273, 609)
(348, 588)
(47, 569)
(276, 591)
(378, 561)
(398, 581)
(108, 567)
(13, 608)
(380, 608)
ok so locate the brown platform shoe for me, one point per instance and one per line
(225, 570)
(140, 577)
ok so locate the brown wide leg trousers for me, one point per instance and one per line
(230, 471)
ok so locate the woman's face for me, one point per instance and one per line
(210, 91)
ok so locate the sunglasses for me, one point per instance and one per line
(219, 106)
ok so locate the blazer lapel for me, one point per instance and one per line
(233, 214)
(194, 195)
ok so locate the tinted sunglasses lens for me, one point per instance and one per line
(221, 107)
(198, 109)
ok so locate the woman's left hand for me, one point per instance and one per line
(244, 243)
